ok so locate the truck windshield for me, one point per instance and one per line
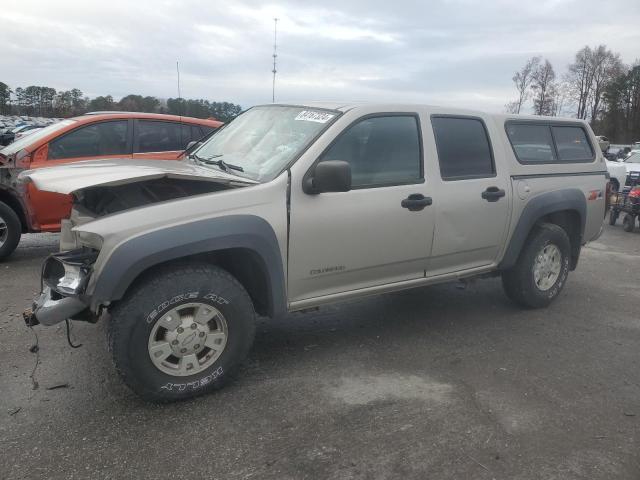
(263, 140)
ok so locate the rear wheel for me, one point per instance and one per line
(181, 332)
(10, 230)
(542, 268)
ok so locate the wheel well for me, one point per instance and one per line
(15, 205)
(615, 183)
(244, 264)
(570, 222)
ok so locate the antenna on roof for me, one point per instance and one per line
(274, 71)
(178, 70)
(179, 96)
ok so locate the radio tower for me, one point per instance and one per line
(274, 71)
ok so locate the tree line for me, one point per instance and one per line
(597, 86)
(48, 102)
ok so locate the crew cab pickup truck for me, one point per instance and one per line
(290, 207)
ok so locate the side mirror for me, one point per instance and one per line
(328, 176)
(191, 144)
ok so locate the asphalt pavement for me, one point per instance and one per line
(434, 383)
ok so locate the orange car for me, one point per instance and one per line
(99, 135)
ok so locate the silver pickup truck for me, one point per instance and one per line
(290, 207)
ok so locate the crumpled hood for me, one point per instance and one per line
(76, 176)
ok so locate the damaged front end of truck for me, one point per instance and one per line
(102, 189)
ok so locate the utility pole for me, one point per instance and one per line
(274, 71)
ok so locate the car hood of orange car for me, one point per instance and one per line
(72, 177)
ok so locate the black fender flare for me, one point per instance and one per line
(132, 257)
(538, 207)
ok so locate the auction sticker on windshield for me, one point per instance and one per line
(319, 117)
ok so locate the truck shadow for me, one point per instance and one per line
(435, 317)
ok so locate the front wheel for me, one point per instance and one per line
(542, 268)
(181, 332)
(10, 230)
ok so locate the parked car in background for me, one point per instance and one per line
(27, 131)
(617, 173)
(122, 135)
(603, 142)
(10, 136)
(632, 167)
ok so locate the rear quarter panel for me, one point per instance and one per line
(530, 181)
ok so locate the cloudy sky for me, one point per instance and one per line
(448, 52)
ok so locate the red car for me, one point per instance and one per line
(100, 135)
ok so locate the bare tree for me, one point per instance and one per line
(563, 101)
(544, 89)
(579, 78)
(588, 78)
(522, 80)
(511, 107)
(606, 67)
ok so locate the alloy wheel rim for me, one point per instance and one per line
(4, 231)
(547, 267)
(188, 339)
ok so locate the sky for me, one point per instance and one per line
(459, 53)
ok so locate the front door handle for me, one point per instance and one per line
(493, 194)
(416, 202)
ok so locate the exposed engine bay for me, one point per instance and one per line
(105, 200)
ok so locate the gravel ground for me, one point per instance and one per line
(436, 383)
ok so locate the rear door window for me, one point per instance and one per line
(152, 136)
(463, 148)
(532, 143)
(572, 144)
(104, 138)
(196, 133)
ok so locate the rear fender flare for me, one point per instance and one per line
(537, 208)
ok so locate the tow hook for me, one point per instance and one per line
(30, 318)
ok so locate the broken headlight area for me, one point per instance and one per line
(67, 273)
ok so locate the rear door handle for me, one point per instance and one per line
(416, 202)
(493, 194)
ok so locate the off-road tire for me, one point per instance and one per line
(519, 283)
(162, 289)
(628, 223)
(14, 230)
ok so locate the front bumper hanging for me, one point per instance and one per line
(47, 311)
(64, 278)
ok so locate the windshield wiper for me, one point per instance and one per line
(220, 163)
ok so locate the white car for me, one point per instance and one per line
(632, 166)
(618, 173)
(603, 142)
(622, 170)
